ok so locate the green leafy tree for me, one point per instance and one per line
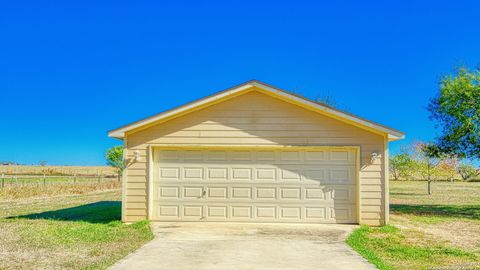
(114, 157)
(456, 110)
(468, 171)
(401, 166)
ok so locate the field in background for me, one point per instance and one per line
(22, 182)
(439, 231)
(56, 170)
(19, 192)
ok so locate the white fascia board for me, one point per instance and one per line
(395, 135)
(120, 133)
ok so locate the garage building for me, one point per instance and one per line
(256, 153)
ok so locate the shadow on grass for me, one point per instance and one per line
(98, 212)
(457, 211)
(408, 194)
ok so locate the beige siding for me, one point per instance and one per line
(255, 119)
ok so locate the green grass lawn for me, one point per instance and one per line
(426, 231)
(67, 232)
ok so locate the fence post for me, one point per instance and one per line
(98, 176)
(3, 180)
(74, 178)
(44, 180)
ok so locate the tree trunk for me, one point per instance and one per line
(429, 187)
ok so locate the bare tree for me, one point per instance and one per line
(427, 160)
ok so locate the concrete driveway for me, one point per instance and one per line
(245, 246)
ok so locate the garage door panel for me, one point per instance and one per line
(290, 174)
(241, 174)
(192, 155)
(330, 174)
(290, 212)
(241, 156)
(342, 194)
(217, 193)
(241, 212)
(316, 174)
(216, 155)
(315, 194)
(172, 173)
(266, 193)
(315, 213)
(266, 174)
(193, 212)
(193, 173)
(165, 155)
(168, 211)
(260, 212)
(241, 193)
(342, 212)
(216, 212)
(341, 156)
(290, 193)
(290, 156)
(266, 212)
(192, 192)
(341, 175)
(315, 156)
(168, 192)
(219, 173)
(266, 156)
(307, 185)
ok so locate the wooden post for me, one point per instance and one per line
(3, 180)
(44, 180)
(74, 178)
(98, 176)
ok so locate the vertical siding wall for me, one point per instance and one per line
(255, 119)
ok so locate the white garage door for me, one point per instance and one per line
(301, 185)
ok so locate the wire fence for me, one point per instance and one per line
(7, 180)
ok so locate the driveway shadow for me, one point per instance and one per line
(459, 211)
(98, 212)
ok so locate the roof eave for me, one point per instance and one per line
(121, 135)
(116, 134)
(393, 135)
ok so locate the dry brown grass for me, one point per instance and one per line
(444, 193)
(56, 170)
(36, 191)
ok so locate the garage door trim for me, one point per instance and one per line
(153, 147)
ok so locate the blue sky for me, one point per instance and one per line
(67, 68)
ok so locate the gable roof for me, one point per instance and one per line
(255, 85)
